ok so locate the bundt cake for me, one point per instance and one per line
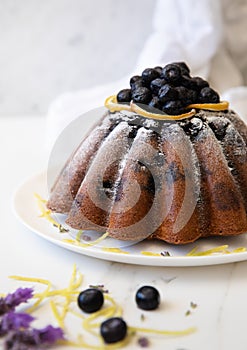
(167, 161)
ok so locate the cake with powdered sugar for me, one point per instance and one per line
(167, 161)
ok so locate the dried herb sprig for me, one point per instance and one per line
(16, 326)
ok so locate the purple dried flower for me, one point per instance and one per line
(143, 342)
(34, 338)
(49, 334)
(10, 345)
(9, 303)
(21, 295)
(3, 307)
(20, 340)
(15, 320)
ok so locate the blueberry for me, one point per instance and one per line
(124, 95)
(189, 83)
(141, 95)
(182, 92)
(156, 84)
(208, 95)
(174, 107)
(185, 95)
(183, 67)
(158, 69)
(154, 103)
(171, 73)
(147, 298)
(192, 96)
(90, 300)
(201, 83)
(113, 330)
(193, 126)
(149, 74)
(135, 79)
(167, 93)
(137, 85)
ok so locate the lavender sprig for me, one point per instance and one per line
(16, 326)
(9, 303)
(34, 338)
(49, 334)
(12, 321)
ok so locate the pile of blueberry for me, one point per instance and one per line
(114, 329)
(169, 89)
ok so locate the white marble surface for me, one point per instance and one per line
(51, 47)
(219, 291)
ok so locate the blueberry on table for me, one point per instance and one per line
(124, 95)
(90, 300)
(208, 95)
(147, 298)
(142, 95)
(167, 93)
(171, 73)
(113, 330)
(149, 74)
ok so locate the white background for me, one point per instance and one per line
(53, 46)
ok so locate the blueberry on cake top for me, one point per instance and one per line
(167, 161)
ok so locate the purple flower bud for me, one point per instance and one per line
(3, 307)
(49, 334)
(143, 342)
(21, 295)
(33, 338)
(14, 321)
(21, 340)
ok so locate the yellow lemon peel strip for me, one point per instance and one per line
(47, 213)
(89, 244)
(135, 108)
(83, 345)
(73, 284)
(113, 106)
(40, 296)
(239, 250)
(221, 249)
(115, 250)
(106, 312)
(90, 323)
(220, 106)
(164, 332)
(150, 253)
(56, 314)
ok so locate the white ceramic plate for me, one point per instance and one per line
(26, 209)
